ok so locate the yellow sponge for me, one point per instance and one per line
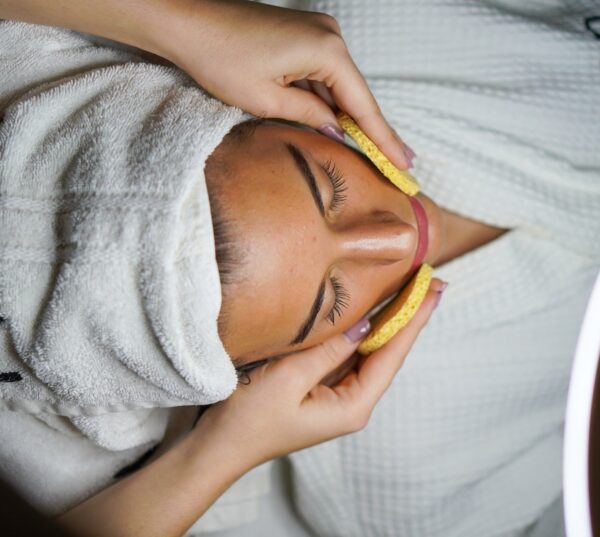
(403, 180)
(397, 314)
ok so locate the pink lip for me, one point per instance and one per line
(423, 229)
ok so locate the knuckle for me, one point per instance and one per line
(266, 104)
(335, 44)
(329, 21)
(363, 420)
(330, 353)
(359, 419)
(292, 373)
(357, 424)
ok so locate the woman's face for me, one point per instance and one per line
(317, 253)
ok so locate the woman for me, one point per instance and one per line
(326, 519)
(110, 292)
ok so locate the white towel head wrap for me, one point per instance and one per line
(109, 287)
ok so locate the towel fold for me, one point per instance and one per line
(109, 286)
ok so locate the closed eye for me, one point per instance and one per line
(339, 186)
(342, 298)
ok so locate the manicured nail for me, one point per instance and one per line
(409, 152)
(359, 330)
(438, 298)
(332, 131)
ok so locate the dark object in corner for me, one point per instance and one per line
(592, 24)
(12, 376)
(19, 519)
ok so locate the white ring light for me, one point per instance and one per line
(576, 491)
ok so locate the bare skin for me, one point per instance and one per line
(365, 243)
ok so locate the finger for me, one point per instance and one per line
(302, 84)
(342, 371)
(379, 368)
(303, 106)
(320, 89)
(352, 94)
(312, 365)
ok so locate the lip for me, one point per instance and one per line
(423, 230)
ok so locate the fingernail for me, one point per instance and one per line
(332, 131)
(443, 287)
(438, 298)
(409, 152)
(359, 330)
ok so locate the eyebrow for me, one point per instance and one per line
(307, 174)
(312, 316)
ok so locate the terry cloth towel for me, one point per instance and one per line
(109, 287)
(501, 102)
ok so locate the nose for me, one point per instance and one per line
(383, 237)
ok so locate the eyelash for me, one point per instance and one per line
(342, 298)
(339, 186)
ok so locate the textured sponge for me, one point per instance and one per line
(397, 314)
(403, 180)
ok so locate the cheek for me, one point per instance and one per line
(369, 285)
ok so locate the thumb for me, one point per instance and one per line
(304, 106)
(313, 364)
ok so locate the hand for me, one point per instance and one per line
(276, 62)
(287, 406)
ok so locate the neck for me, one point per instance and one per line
(461, 235)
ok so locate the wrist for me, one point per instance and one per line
(212, 442)
(157, 26)
(180, 25)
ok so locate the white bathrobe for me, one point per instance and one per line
(500, 99)
(501, 102)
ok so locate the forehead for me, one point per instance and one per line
(281, 232)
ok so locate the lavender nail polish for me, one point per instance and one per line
(359, 330)
(409, 152)
(332, 131)
(437, 299)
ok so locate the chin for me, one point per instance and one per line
(436, 228)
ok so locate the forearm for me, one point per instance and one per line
(164, 498)
(140, 23)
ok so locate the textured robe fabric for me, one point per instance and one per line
(501, 102)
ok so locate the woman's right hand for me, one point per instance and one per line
(270, 61)
(275, 62)
(287, 407)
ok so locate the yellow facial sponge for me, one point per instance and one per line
(403, 180)
(397, 314)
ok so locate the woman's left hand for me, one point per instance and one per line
(308, 397)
